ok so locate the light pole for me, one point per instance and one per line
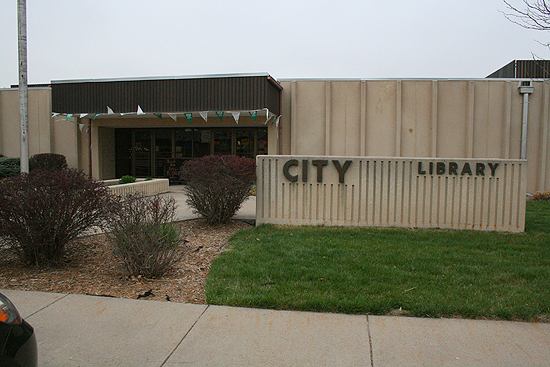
(23, 88)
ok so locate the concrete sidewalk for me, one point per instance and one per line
(76, 330)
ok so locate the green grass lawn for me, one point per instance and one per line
(434, 273)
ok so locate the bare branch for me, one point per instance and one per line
(536, 15)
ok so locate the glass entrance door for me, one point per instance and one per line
(160, 152)
(142, 154)
(163, 151)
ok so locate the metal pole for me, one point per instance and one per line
(525, 114)
(525, 88)
(23, 88)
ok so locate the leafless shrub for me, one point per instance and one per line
(144, 236)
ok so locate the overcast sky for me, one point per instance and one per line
(82, 39)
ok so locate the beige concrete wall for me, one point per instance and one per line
(65, 139)
(478, 194)
(418, 118)
(39, 107)
(409, 118)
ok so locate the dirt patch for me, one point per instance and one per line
(92, 269)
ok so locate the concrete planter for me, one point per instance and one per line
(151, 187)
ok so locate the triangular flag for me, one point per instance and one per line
(140, 111)
(83, 114)
(159, 115)
(95, 115)
(87, 129)
(204, 115)
(277, 121)
(220, 115)
(55, 114)
(69, 116)
(109, 111)
(268, 115)
(173, 116)
(236, 116)
(189, 116)
(254, 114)
(80, 126)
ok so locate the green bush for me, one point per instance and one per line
(143, 235)
(126, 179)
(9, 167)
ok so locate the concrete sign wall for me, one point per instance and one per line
(480, 194)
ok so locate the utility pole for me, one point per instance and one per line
(23, 88)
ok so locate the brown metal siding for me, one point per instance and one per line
(537, 69)
(530, 69)
(166, 95)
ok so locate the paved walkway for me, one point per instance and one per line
(77, 330)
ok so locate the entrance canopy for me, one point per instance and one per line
(209, 96)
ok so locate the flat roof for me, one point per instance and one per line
(213, 92)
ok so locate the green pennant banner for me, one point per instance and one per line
(159, 115)
(95, 115)
(220, 115)
(254, 114)
(69, 116)
(189, 117)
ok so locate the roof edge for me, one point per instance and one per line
(130, 79)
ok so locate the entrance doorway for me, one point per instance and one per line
(160, 152)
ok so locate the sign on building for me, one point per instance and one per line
(479, 194)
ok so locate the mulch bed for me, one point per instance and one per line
(90, 268)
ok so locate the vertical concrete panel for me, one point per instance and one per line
(286, 119)
(481, 112)
(39, 109)
(471, 114)
(363, 122)
(10, 123)
(345, 128)
(544, 126)
(381, 105)
(39, 103)
(496, 120)
(398, 118)
(273, 136)
(434, 119)
(534, 132)
(507, 120)
(310, 118)
(452, 128)
(416, 118)
(65, 140)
